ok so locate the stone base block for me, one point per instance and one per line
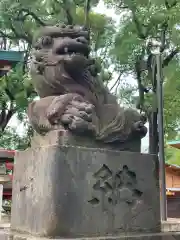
(62, 137)
(158, 236)
(75, 192)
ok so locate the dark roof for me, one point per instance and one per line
(11, 56)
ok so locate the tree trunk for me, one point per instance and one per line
(153, 133)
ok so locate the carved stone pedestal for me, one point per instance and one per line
(66, 191)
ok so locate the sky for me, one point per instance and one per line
(102, 9)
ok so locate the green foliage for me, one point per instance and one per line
(172, 99)
(12, 140)
(16, 88)
(16, 92)
(143, 20)
(172, 155)
(127, 94)
(127, 45)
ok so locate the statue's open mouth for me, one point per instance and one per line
(73, 49)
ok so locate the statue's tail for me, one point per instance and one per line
(116, 124)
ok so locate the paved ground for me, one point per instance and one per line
(174, 220)
(4, 225)
(172, 225)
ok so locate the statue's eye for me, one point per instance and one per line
(47, 41)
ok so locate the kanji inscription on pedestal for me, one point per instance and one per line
(115, 187)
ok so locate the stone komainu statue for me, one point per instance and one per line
(72, 97)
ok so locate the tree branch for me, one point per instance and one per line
(170, 57)
(141, 88)
(168, 6)
(26, 57)
(136, 22)
(68, 12)
(20, 35)
(3, 113)
(163, 36)
(4, 35)
(138, 25)
(9, 94)
(121, 5)
(86, 13)
(164, 26)
(8, 116)
(29, 13)
(116, 82)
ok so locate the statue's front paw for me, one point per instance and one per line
(78, 117)
(58, 106)
(139, 128)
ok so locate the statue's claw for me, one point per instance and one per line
(139, 128)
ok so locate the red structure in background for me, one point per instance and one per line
(8, 60)
(7, 159)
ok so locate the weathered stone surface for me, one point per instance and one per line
(160, 236)
(76, 191)
(64, 137)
